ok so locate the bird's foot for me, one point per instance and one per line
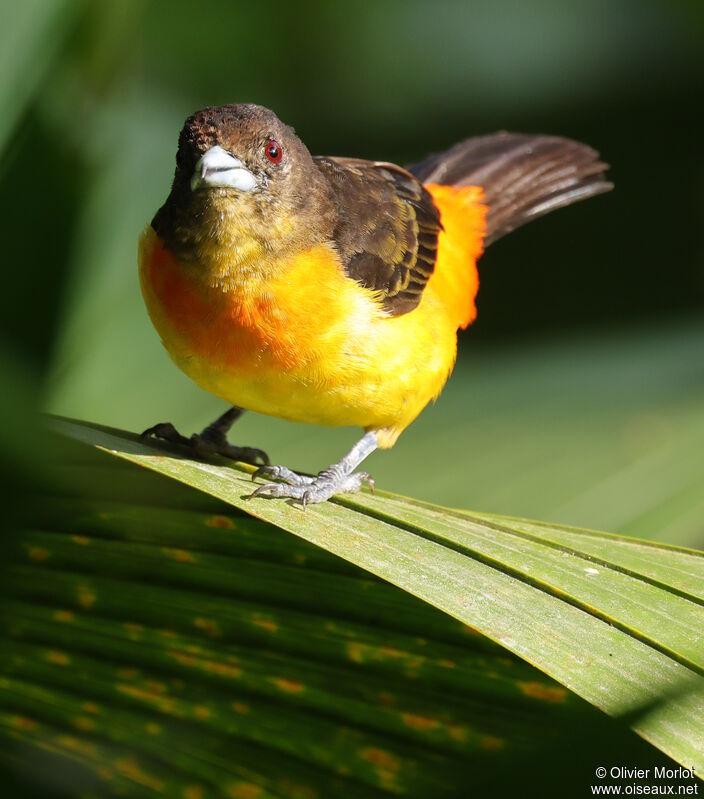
(309, 490)
(210, 442)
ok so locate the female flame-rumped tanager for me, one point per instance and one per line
(330, 290)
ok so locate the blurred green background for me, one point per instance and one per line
(579, 393)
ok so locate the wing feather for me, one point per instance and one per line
(387, 228)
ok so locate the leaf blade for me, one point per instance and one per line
(622, 672)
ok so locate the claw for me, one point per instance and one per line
(206, 444)
(277, 490)
(267, 471)
(157, 430)
(261, 491)
(165, 431)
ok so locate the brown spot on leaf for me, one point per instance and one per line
(296, 790)
(163, 703)
(208, 626)
(457, 733)
(220, 521)
(213, 666)
(380, 757)
(224, 669)
(38, 553)
(86, 596)
(492, 743)
(411, 663)
(65, 616)
(357, 652)
(243, 790)
(131, 769)
(57, 657)
(81, 746)
(289, 686)
(420, 722)
(181, 555)
(265, 623)
(82, 540)
(540, 690)
(23, 723)
(183, 659)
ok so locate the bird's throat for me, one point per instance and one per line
(220, 243)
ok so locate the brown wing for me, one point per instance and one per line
(387, 228)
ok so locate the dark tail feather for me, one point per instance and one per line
(523, 176)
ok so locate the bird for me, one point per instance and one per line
(330, 290)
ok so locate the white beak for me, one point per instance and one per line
(216, 167)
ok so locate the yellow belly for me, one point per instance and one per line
(311, 346)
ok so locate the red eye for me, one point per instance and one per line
(273, 151)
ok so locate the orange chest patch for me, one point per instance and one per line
(278, 324)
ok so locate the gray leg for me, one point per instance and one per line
(340, 478)
(212, 441)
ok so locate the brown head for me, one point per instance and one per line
(245, 191)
